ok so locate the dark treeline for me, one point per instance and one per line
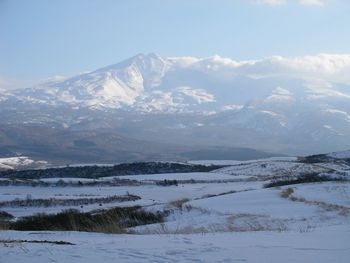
(62, 183)
(104, 171)
(29, 202)
(322, 158)
(302, 179)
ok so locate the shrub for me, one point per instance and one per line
(166, 182)
(4, 216)
(287, 192)
(114, 220)
(179, 203)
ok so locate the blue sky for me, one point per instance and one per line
(42, 38)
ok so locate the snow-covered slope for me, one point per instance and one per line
(272, 168)
(340, 155)
(320, 246)
(154, 83)
(215, 219)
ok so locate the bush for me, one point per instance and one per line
(179, 203)
(4, 216)
(166, 182)
(287, 192)
(114, 220)
(4, 220)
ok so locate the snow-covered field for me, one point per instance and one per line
(234, 162)
(330, 244)
(150, 194)
(277, 168)
(177, 176)
(222, 216)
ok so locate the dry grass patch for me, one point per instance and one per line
(249, 222)
(342, 210)
(179, 203)
(286, 193)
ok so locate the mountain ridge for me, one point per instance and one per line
(287, 105)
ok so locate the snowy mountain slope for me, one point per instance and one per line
(340, 155)
(21, 162)
(333, 158)
(182, 82)
(303, 102)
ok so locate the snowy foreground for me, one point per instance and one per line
(331, 244)
(223, 216)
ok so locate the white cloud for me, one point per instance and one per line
(330, 67)
(281, 91)
(283, 2)
(312, 2)
(273, 2)
(327, 67)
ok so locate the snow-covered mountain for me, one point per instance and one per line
(340, 155)
(152, 83)
(303, 102)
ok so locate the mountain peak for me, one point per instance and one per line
(141, 60)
